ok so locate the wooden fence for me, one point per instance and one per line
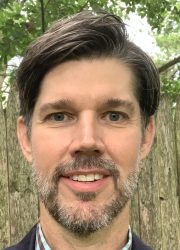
(155, 209)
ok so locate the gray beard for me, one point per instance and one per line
(80, 221)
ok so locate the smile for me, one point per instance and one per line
(87, 177)
(86, 181)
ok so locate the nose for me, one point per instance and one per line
(87, 137)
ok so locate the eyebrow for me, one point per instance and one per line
(57, 105)
(68, 104)
(117, 103)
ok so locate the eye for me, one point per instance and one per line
(115, 116)
(59, 117)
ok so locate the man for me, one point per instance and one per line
(87, 100)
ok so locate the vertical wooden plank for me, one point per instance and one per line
(4, 197)
(150, 226)
(177, 126)
(157, 189)
(23, 201)
(177, 131)
(134, 214)
(166, 166)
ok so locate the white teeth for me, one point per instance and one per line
(88, 177)
(74, 177)
(98, 176)
(81, 178)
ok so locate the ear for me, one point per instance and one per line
(23, 139)
(148, 138)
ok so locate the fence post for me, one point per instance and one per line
(177, 126)
(4, 192)
(167, 171)
(157, 189)
(23, 201)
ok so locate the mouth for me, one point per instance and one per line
(87, 177)
(86, 181)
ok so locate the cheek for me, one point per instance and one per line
(124, 149)
(49, 149)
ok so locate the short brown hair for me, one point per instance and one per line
(86, 35)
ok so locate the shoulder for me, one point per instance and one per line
(27, 243)
(137, 244)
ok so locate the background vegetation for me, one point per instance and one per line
(21, 21)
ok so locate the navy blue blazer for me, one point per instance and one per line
(28, 243)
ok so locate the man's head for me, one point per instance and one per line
(86, 92)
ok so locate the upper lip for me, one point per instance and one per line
(86, 172)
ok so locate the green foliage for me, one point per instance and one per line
(21, 21)
(161, 15)
(15, 32)
(170, 46)
(170, 86)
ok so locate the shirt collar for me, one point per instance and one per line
(41, 243)
(129, 243)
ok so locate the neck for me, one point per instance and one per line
(112, 237)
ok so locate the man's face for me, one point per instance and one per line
(86, 142)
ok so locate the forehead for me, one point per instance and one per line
(88, 81)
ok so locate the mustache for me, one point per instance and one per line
(85, 162)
